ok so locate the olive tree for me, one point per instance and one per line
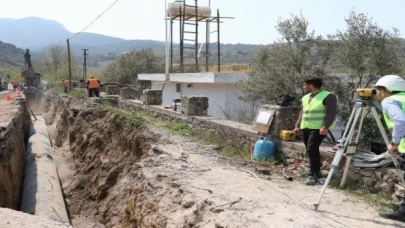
(368, 52)
(281, 68)
(126, 68)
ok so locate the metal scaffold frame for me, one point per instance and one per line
(189, 24)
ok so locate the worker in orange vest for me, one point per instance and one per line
(15, 84)
(93, 86)
(65, 85)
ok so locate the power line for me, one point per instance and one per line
(95, 19)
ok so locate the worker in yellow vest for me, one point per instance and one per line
(391, 93)
(93, 86)
(317, 118)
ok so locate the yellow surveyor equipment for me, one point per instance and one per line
(365, 92)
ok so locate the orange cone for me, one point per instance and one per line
(8, 97)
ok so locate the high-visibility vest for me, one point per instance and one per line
(314, 112)
(93, 83)
(390, 124)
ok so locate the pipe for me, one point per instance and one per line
(41, 192)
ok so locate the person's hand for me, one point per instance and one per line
(392, 148)
(296, 130)
(323, 131)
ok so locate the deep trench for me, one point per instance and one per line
(104, 150)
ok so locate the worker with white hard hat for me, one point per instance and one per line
(391, 93)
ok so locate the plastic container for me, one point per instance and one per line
(264, 149)
(286, 135)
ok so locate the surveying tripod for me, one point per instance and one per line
(349, 142)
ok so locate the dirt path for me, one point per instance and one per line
(275, 203)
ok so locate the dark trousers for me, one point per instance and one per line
(15, 88)
(312, 141)
(95, 91)
(65, 89)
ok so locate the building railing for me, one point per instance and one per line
(224, 68)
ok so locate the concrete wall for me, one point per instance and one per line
(220, 96)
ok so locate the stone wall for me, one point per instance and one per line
(152, 97)
(128, 93)
(112, 90)
(104, 87)
(12, 150)
(194, 105)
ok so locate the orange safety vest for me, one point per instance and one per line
(65, 84)
(15, 82)
(93, 83)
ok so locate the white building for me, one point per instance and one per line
(220, 89)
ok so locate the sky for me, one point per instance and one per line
(254, 22)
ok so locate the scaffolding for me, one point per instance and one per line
(189, 21)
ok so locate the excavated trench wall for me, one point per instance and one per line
(13, 133)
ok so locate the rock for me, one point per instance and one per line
(325, 173)
(379, 175)
(399, 190)
(214, 147)
(354, 176)
(325, 165)
(368, 182)
(366, 174)
(394, 197)
(188, 204)
(382, 186)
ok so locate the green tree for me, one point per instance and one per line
(368, 52)
(281, 68)
(126, 68)
(53, 63)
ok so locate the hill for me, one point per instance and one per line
(37, 33)
(11, 56)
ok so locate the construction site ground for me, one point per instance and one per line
(121, 169)
(171, 180)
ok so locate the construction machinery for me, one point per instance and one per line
(4, 80)
(347, 146)
(30, 78)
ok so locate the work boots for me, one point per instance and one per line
(312, 179)
(398, 215)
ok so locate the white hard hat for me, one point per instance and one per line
(392, 83)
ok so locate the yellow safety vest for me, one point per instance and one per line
(314, 112)
(390, 124)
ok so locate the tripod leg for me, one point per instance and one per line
(333, 166)
(352, 147)
(338, 156)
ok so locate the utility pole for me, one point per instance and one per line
(85, 63)
(70, 65)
